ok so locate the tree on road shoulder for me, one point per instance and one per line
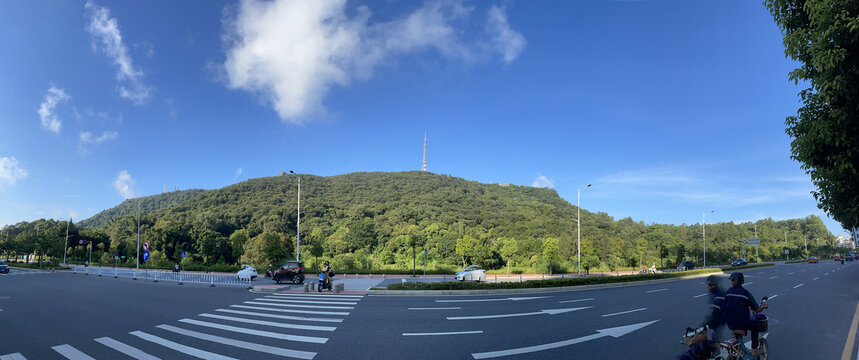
(551, 252)
(617, 252)
(509, 247)
(641, 246)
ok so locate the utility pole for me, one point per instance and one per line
(66, 245)
(298, 222)
(138, 235)
(579, 226)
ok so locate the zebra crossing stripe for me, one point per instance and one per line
(241, 344)
(202, 354)
(337, 313)
(284, 317)
(71, 353)
(332, 297)
(301, 306)
(271, 323)
(15, 356)
(125, 349)
(269, 334)
(267, 298)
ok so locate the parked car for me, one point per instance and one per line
(739, 262)
(837, 257)
(292, 271)
(4, 268)
(686, 265)
(247, 273)
(848, 257)
(812, 259)
(473, 272)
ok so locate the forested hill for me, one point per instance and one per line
(147, 204)
(378, 220)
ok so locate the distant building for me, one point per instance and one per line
(845, 242)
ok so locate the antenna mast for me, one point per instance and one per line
(424, 167)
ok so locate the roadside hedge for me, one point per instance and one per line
(461, 285)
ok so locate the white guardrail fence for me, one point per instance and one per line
(181, 277)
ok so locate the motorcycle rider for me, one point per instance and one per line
(702, 345)
(326, 269)
(738, 302)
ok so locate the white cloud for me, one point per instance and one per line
(238, 172)
(123, 185)
(291, 53)
(87, 138)
(506, 40)
(54, 97)
(544, 182)
(10, 172)
(105, 30)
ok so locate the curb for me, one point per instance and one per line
(268, 289)
(533, 290)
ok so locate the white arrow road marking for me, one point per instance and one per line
(445, 333)
(657, 290)
(496, 299)
(613, 332)
(438, 308)
(576, 300)
(798, 286)
(624, 312)
(697, 296)
(549, 311)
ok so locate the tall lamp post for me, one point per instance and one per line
(66, 245)
(579, 226)
(298, 222)
(138, 235)
(704, 234)
(785, 247)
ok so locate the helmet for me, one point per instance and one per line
(326, 262)
(713, 280)
(738, 277)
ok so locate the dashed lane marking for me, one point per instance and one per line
(445, 333)
(623, 312)
(657, 290)
(438, 308)
(125, 349)
(816, 278)
(798, 286)
(697, 296)
(575, 300)
(790, 273)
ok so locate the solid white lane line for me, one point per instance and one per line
(312, 312)
(657, 290)
(271, 323)
(798, 286)
(241, 344)
(496, 299)
(749, 283)
(825, 274)
(306, 301)
(202, 354)
(542, 312)
(790, 273)
(697, 296)
(773, 297)
(269, 334)
(71, 353)
(773, 277)
(341, 297)
(816, 278)
(445, 333)
(284, 317)
(125, 349)
(576, 300)
(623, 312)
(15, 356)
(438, 308)
(302, 306)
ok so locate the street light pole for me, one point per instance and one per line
(138, 236)
(785, 247)
(579, 226)
(298, 222)
(66, 245)
(704, 234)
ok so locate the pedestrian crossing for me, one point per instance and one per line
(279, 325)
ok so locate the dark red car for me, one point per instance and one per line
(292, 271)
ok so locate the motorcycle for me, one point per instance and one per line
(731, 349)
(325, 282)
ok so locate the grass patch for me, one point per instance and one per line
(456, 285)
(35, 265)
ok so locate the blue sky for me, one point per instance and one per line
(670, 108)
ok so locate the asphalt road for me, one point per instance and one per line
(44, 314)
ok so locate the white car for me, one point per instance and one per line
(472, 273)
(247, 273)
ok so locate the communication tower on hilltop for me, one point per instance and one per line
(424, 167)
